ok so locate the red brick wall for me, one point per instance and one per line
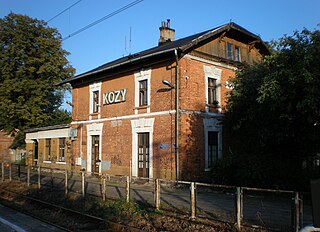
(117, 138)
(5, 142)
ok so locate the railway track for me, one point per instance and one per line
(72, 220)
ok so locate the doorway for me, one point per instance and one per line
(143, 155)
(95, 161)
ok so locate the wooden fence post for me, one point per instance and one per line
(66, 182)
(297, 209)
(10, 172)
(193, 199)
(239, 206)
(39, 177)
(157, 193)
(2, 171)
(82, 183)
(128, 189)
(103, 180)
(28, 176)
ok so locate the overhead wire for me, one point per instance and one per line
(64, 11)
(103, 18)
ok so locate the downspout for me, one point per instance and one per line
(177, 115)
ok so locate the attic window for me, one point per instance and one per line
(233, 52)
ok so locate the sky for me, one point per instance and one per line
(137, 28)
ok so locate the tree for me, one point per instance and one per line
(273, 116)
(32, 62)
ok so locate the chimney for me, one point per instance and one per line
(166, 33)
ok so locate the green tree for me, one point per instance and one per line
(32, 62)
(273, 118)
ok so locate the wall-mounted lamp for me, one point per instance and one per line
(168, 83)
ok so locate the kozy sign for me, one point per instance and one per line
(114, 96)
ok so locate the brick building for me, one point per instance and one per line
(6, 154)
(49, 146)
(157, 113)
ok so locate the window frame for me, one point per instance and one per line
(230, 51)
(143, 93)
(62, 150)
(142, 75)
(48, 149)
(95, 101)
(213, 148)
(95, 98)
(214, 73)
(212, 91)
(233, 52)
(212, 125)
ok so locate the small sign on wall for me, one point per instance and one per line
(164, 146)
(106, 165)
(83, 164)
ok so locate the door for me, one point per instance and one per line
(95, 162)
(35, 152)
(143, 154)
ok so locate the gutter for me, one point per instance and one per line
(177, 115)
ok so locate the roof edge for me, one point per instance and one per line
(54, 127)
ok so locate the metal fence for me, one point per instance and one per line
(253, 207)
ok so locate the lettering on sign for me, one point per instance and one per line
(114, 96)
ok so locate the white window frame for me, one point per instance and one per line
(141, 76)
(214, 73)
(93, 88)
(215, 126)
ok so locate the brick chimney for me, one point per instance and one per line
(166, 33)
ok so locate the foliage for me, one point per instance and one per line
(273, 116)
(32, 62)
(18, 141)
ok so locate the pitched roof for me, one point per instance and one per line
(182, 46)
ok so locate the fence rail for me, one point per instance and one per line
(243, 206)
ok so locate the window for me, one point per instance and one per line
(95, 101)
(237, 53)
(229, 51)
(62, 145)
(212, 91)
(233, 52)
(143, 93)
(212, 148)
(94, 98)
(48, 149)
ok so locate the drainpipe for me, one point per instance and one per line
(177, 115)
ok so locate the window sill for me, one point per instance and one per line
(61, 162)
(47, 162)
(142, 107)
(207, 169)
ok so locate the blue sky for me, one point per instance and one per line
(106, 41)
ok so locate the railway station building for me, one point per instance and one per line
(157, 113)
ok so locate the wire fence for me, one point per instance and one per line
(250, 207)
